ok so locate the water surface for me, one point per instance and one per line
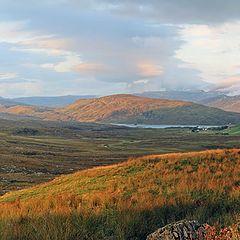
(162, 126)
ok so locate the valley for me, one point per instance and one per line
(34, 151)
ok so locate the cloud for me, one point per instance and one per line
(73, 63)
(89, 68)
(173, 11)
(141, 81)
(213, 51)
(230, 85)
(149, 70)
(7, 75)
(119, 46)
(21, 88)
(70, 62)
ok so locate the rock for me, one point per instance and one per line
(182, 230)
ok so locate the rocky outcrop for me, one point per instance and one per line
(182, 230)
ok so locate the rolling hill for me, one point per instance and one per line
(53, 102)
(196, 96)
(226, 103)
(142, 110)
(116, 108)
(128, 200)
(8, 102)
(124, 108)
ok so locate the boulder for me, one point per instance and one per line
(182, 230)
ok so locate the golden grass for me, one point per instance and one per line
(203, 185)
(169, 175)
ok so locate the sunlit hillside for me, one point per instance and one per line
(126, 108)
(117, 106)
(128, 200)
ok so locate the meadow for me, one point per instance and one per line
(33, 152)
(128, 200)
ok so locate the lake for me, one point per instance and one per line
(162, 126)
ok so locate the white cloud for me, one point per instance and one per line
(213, 50)
(7, 75)
(149, 70)
(128, 44)
(141, 81)
(24, 88)
(70, 62)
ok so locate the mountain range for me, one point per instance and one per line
(57, 101)
(197, 96)
(211, 98)
(226, 103)
(125, 108)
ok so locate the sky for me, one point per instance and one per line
(101, 47)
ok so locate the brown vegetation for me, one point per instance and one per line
(97, 109)
(127, 105)
(129, 200)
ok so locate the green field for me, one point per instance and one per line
(235, 130)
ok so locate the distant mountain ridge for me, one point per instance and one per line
(55, 101)
(196, 96)
(211, 98)
(8, 102)
(226, 103)
(208, 98)
(126, 108)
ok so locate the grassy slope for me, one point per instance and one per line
(234, 130)
(192, 114)
(129, 200)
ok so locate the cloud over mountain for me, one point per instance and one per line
(74, 47)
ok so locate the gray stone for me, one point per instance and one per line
(182, 230)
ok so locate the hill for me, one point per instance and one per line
(26, 111)
(124, 108)
(8, 102)
(128, 200)
(226, 103)
(142, 110)
(116, 107)
(193, 114)
(196, 96)
(53, 102)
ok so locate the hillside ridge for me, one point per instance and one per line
(127, 108)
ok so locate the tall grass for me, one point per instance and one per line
(129, 200)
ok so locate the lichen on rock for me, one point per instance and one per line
(182, 230)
